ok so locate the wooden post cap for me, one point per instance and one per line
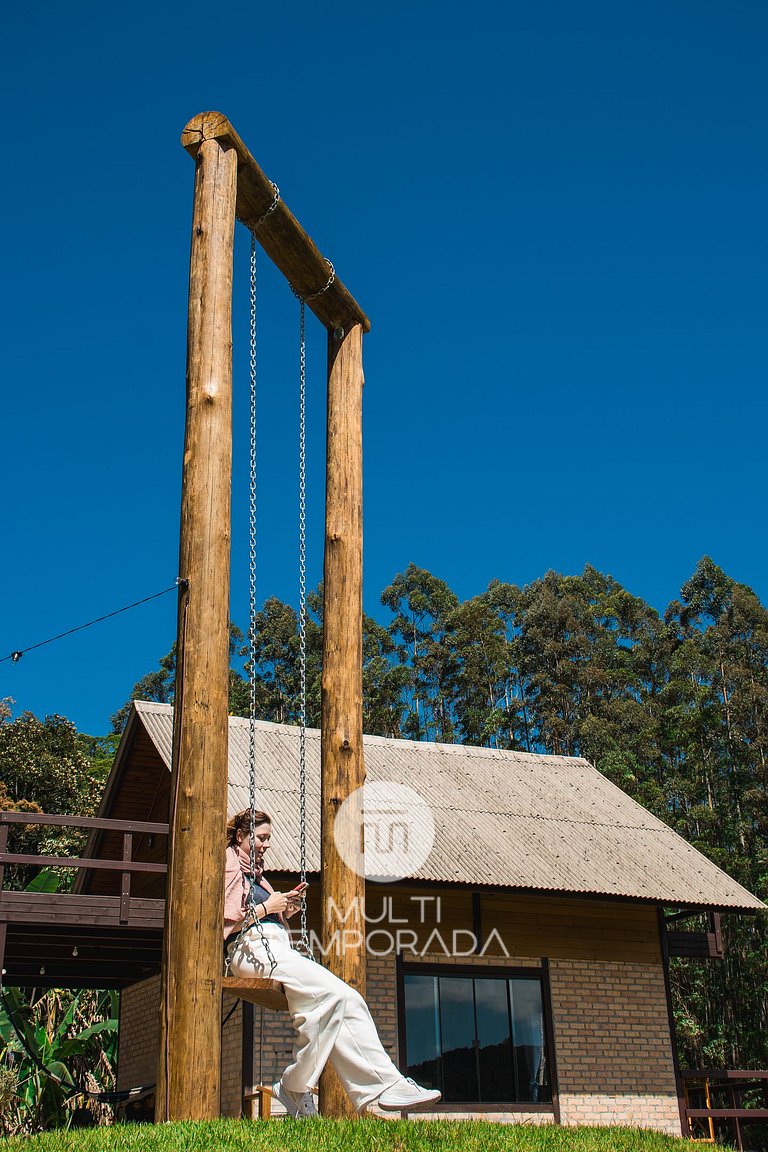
(211, 126)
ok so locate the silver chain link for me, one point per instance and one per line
(305, 944)
(270, 210)
(252, 562)
(251, 917)
(314, 295)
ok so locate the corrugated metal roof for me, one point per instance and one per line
(509, 819)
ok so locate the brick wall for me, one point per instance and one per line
(381, 994)
(231, 1056)
(612, 1044)
(139, 1034)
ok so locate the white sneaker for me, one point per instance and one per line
(407, 1094)
(299, 1104)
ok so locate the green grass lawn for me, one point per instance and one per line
(367, 1135)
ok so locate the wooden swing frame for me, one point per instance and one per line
(229, 185)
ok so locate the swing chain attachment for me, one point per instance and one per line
(269, 210)
(314, 295)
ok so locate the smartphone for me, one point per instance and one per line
(301, 887)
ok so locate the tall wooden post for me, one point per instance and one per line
(229, 181)
(343, 770)
(189, 1072)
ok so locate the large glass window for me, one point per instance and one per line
(479, 1039)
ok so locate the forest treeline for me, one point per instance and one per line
(672, 708)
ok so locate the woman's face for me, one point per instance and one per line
(261, 838)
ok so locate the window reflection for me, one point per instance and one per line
(457, 1019)
(528, 1040)
(477, 1039)
(423, 1030)
(494, 1048)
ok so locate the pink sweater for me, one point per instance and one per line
(237, 866)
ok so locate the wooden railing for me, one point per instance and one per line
(707, 943)
(715, 1104)
(125, 865)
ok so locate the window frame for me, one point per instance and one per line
(477, 971)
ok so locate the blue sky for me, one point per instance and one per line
(554, 215)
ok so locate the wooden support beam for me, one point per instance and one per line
(280, 234)
(189, 1071)
(343, 769)
(125, 880)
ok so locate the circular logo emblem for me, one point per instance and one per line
(384, 831)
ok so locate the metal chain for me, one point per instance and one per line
(270, 210)
(303, 619)
(251, 913)
(251, 918)
(252, 563)
(314, 295)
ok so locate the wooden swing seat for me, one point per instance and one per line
(266, 993)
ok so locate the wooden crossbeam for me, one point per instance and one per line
(280, 234)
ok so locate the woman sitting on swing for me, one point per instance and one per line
(332, 1020)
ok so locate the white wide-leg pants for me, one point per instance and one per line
(332, 1020)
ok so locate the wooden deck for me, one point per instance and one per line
(81, 940)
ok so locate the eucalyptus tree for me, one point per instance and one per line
(385, 680)
(421, 605)
(479, 679)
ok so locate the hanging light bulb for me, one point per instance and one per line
(74, 951)
(42, 969)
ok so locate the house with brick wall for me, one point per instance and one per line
(519, 962)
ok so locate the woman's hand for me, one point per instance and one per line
(295, 897)
(276, 903)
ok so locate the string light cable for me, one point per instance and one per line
(16, 656)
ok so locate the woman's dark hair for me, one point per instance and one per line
(241, 822)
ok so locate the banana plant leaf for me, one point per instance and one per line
(45, 881)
